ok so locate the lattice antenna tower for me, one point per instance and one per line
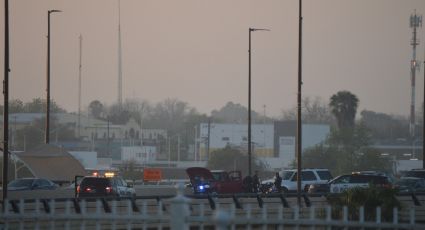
(415, 23)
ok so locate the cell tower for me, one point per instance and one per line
(119, 58)
(415, 22)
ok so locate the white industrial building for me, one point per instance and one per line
(274, 144)
(222, 135)
(139, 154)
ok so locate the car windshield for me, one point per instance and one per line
(217, 176)
(324, 175)
(286, 175)
(95, 181)
(420, 174)
(21, 183)
(407, 182)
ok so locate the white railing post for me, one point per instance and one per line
(179, 209)
(378, 215)
(222, 219)
(412, 216)
(395, 215)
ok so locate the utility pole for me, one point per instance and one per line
(196, 142)
(208, 140)
(178, 147)
(108, 150)
(299, 123)
(47, 131)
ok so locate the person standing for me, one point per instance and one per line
(255, 182)
(278, 182)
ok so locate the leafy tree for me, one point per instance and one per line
(384, 126)
(171, 114)
(230, 159)
(29, 137)
(313, 111)
(96, 109)
(140, 111)
(346, 150)
(128, 170)
(16, 106)
(234, 113)
(38, 105)
(118, 115)
(33, 135)
(344, 107)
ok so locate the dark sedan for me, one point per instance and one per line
(31, 184)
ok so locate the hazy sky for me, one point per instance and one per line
(196, 51)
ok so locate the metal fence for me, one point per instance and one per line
(181, 212)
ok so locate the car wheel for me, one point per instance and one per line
(285, 190)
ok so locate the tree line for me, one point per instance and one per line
(346, 148)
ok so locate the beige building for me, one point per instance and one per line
(88, 128)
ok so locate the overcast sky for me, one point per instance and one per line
(196, 51)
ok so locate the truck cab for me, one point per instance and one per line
(219, 181)
(228, 182)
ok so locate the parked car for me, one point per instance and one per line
(203, 180)
(31, 184)
(345, 182)
(91, 186)
(410, 184)
(420, 173)
(308, 177)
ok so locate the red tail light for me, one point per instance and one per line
(387, 186)
(108, 189)
(78, 189)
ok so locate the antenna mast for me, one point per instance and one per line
(119, 58)
(415, 22)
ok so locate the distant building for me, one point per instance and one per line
(274, 144)
(92, 134)
(285, 133)
(141, 155)
(222, 135)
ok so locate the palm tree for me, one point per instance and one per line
(344, 107)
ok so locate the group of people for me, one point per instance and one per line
(252, 184)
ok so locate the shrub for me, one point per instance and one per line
(369, 198)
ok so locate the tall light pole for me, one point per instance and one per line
(249, 98)
(47, 136)
(6, 103)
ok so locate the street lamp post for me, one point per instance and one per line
(423, 125)
(47, 136)
(249, 98)
(299, 123)
(6, 104)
